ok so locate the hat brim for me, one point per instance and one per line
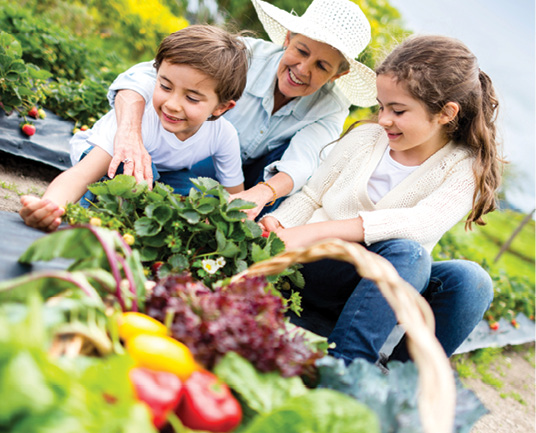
(358, 85)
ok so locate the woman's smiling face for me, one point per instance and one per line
(306, 66)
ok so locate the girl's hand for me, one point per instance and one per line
(350, 230)
(40, 213)
(270, 224)
(297, 237)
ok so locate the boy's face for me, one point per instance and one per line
(184, 98)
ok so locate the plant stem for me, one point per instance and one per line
(111, 255)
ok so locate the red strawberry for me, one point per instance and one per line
(155, 267)
(28, 129)
(33, 112)
(494, 326)
(265, 234)
(514, 323)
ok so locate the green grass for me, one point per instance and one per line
(13, 187)
(483, 243)
(491, 365)
(477, 364)
(513, 395)
(529, 356)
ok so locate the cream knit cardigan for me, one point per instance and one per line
(425, 205)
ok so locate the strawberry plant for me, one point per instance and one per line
(20, 83)
(34, 49)
(202, 233)
(83, 102)
(51, 46)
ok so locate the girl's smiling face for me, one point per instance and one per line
(306, 66)
(184, 98)
(414, 134)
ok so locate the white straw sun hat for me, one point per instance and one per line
(338, 23)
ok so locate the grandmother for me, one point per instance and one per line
(299, 90)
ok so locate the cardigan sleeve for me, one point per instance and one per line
(298, 208)
(432, 216)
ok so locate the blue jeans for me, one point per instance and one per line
(354, 315)
(253, 171)
(179, 180)
(459, 292)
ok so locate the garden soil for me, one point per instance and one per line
(510, 398)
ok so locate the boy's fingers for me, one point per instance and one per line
(40, 213)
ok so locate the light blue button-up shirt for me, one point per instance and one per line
(309, 122)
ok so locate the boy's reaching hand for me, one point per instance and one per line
(40, 213)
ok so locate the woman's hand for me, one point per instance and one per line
(128, 143)
(40, 213)
(259, 194)
(129, 149)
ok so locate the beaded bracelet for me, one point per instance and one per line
(273, 190)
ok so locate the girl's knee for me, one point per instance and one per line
(478, 280)
(467, 278)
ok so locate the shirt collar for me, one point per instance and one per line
(299, 107)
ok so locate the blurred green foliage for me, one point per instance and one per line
(80, 47)
(16, 78)
(513, 274)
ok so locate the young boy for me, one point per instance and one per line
(201, 73)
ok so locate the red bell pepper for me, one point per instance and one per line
(208, 404)
(161, 391)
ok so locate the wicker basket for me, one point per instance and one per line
(437, 392)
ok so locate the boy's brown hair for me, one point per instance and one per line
(213, 51)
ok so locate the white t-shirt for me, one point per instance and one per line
(388, 174)
(217, 139)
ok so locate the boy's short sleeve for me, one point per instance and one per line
(226, 155)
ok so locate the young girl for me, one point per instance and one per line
(397, 187)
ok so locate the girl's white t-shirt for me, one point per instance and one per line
(388, 174)
(217, 139)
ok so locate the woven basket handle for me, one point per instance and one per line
(437, 391)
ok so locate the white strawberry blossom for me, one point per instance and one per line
(212, 266)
